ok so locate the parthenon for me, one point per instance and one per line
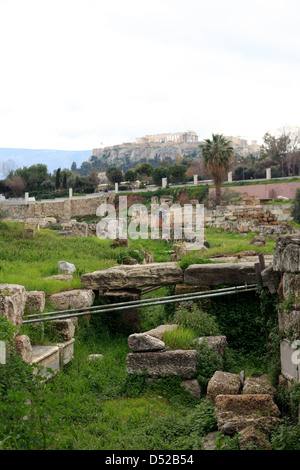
(189, 136)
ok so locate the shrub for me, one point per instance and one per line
(296, 207)
(202, 323)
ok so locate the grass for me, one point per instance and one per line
(96, 405)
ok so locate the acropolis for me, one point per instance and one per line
(189, 136)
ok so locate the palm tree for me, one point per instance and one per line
(217, 156)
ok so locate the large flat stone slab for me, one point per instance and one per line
(215, 274)
(166, 363)
(130, 277)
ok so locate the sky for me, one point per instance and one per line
(84, 74)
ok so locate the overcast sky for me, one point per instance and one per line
(81, 74)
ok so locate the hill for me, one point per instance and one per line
(52, 158)
(128, 155)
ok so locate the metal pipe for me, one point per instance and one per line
(135, 302)
(141, 304)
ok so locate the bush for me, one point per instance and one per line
(296, 207)
(202, 323)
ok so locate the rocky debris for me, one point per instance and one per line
(216, 343)
(223, 383)
(139, 342)
(64, 328)
(251, 438)
(193, 387)
(130, 261)
(270, 279)
(60, 277)
(35, 301)
(127, 277)
(287, 254)
(258, 240)
(291, 288)
(77, 298)
(120, 242)
(24, 348)
(159, 331)
(236, 412)
(12, 302)
(214, 274)
(65, 267)
(95, 357)
(258, 385)
(165, 363)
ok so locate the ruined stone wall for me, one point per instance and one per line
(63, 209)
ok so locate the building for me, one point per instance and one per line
(189, 136)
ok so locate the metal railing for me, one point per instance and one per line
(71, 313)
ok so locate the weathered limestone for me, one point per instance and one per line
(223, 383)
(60, 277)
(216, 343)
(66, 351)
(166, 363)
(159, 331)
(252, 439)
(270, 279)
(12, 302)
(258, 385)
(291, 288)
(77, 298)
(65, 267)
(232, 274)
(24, 348)
(287, 254)
(35, 301)
(65, 328)
(127, 277)
(47, 357)
(141, 342)
(236, 412)
(193, 387)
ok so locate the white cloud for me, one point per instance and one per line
(76, 73)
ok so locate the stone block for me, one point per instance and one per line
(289, 360)
(214, 274)
(76, 298)
(291, 288)
(24, 348)
(216, 343)
(12, 302)
(35, 301)
(237, 412)
(165, 363)
(193, 387)
(65, 267)
(159, 331)
(223, 383)
(289, 323)
(261, 384)
(139, 342)
(64, 328)
(66, 351)
(131, 277)
(287, 254)
(46, 357)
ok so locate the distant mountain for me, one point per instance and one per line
(52, 158)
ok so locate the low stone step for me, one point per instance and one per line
(47, 357)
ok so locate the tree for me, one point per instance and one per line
(114, 175)
(16, 185)
(176, 173)
(57, 178)
(217, 155)
(159, 173)
(74, 167)
(144, 170)
(130, 176)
